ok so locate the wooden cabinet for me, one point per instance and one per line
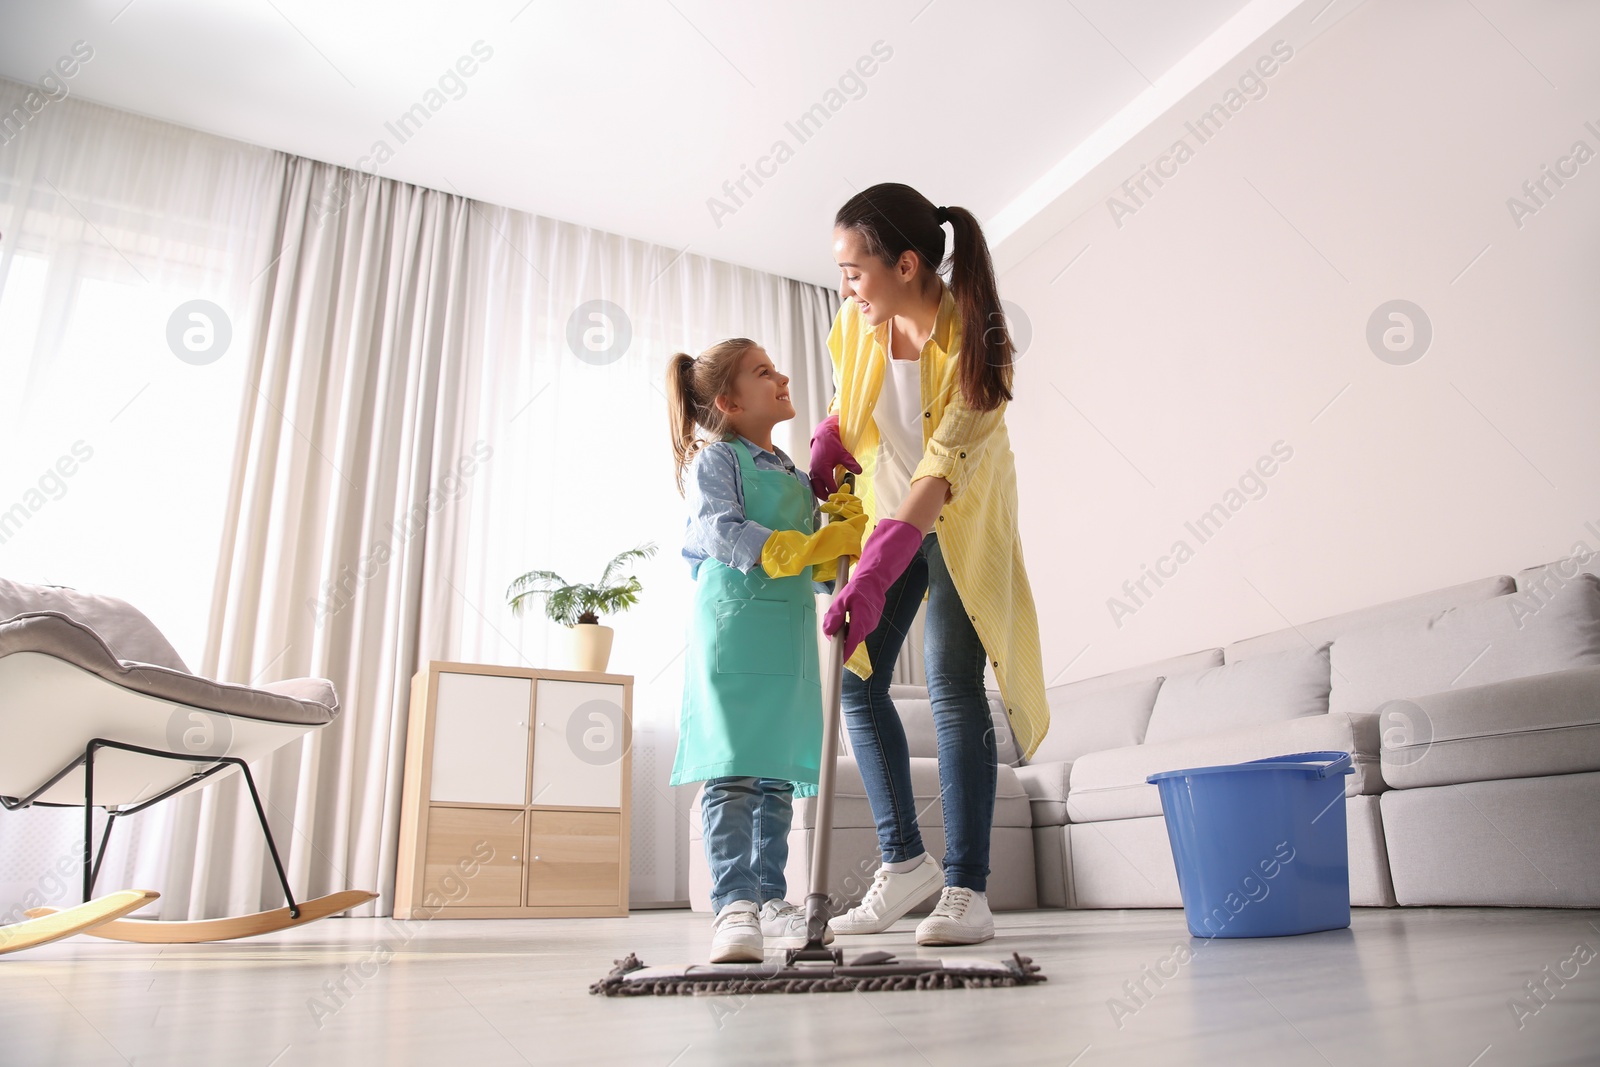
(515, 801)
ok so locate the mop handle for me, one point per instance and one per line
(817, 899)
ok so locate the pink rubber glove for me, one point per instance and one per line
(884, 558)
(827, 452)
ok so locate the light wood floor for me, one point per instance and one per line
(1402, 986)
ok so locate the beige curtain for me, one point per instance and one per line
(350, 392)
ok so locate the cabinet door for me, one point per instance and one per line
(578, 744)
(474, 859)
(480, 739)
(574, 858)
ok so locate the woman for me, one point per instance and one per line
(918, 412)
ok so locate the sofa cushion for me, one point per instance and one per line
(1111, 784)
(852, 809)
(1152, 671)
(1315, 633)
(1520, 728)
(916, 715)
(1046, 786)
(1548, 577)
(1262, 689)
(1090, 719)
(1510, 636)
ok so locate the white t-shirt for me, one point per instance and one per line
(899, 418)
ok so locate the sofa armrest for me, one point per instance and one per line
(1529, 727)
(1046, 786)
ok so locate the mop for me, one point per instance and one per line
(816, 968)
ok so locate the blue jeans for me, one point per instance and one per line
(967, 761)
(745, 824)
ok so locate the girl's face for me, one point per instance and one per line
(881, 290)
(759, 398)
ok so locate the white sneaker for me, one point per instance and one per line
(736, 933)
(784, 925)
(962, 917)
(890, 897)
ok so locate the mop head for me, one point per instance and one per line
(872, 972)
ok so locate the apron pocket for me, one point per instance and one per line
(754, 637)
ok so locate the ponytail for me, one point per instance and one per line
(987, 350)
(893, 219)
(693, 385)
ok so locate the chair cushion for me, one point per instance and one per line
(1086, 717)
(1520, 728)
(851, 809)
(1315, 633)
(1046, 786)
(296, 701)
(1510, 636)
(121, 627)
(1262, 689)
(1111, 785)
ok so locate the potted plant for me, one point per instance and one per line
(579, 606)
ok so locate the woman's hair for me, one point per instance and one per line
(892, 219)
(693, 385)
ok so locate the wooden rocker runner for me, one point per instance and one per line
(98, 710)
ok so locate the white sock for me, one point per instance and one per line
(905, 865)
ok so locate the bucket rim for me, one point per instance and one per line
(1315, 764)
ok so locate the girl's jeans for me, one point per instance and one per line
(745, 824)
(955, 660)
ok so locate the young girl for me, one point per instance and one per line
(751, 722)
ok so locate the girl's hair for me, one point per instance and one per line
(693, 385)
(892, 219)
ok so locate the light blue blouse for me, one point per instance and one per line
(716, 526)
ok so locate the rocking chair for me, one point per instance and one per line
(98, 710)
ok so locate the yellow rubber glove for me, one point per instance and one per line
(788, 552)
(844, 506)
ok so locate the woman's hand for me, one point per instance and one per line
(884, 558)
(827, 452)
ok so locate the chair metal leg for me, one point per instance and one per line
(91, 864)
(100, 855)
(283, 879)
(88, 821)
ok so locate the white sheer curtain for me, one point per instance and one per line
(582, 465)
(109, 223)
(402, 372)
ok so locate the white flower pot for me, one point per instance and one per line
(591, 646)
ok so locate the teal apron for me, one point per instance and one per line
(752, 691)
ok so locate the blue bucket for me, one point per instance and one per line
(1260, 846)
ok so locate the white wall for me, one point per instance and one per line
(1229, 311)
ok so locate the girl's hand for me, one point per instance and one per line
(845, 505)
(827, 452)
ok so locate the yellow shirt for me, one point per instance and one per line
(977, 529)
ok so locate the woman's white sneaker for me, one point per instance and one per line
(962, 917)
(784, 925)
(890, 897)
(736, 933)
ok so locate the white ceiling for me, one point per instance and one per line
(630, 116)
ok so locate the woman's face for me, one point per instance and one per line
(876, 287)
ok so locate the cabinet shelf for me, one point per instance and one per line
(516, 795)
